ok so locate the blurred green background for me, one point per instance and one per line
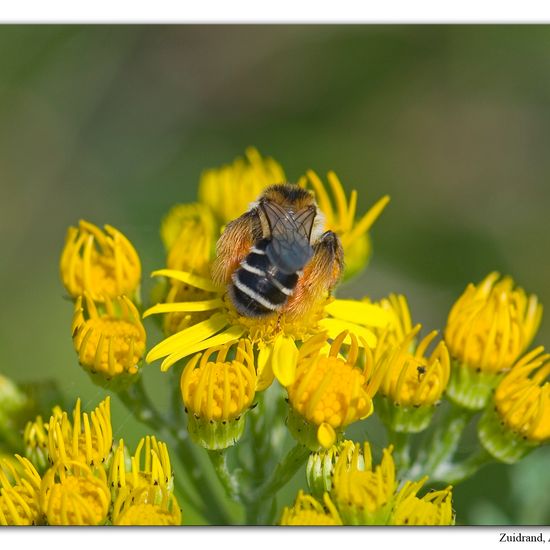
(114, 124)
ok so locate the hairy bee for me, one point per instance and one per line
(275, 257)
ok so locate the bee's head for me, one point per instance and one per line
(289, 196)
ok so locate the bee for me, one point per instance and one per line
(275, 258)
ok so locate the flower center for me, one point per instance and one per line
(109, 345)
(330, 390)
(265, 330)
(80, 499)
(146, 514)
(219, 391)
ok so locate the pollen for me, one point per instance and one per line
(74, 494)
(220, 390)
(265, 330)
(109, 338)
(102, 263)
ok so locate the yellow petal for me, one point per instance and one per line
(361, 313)
(188, 336)
(283, 360)
(366, 222)
(369, 412)
(335, 326)
(232, 333)
(194, 280)
(264, 368)
(198, 305)
(326, 436)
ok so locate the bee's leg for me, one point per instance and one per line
(328, 258)
(233, 246)
(320, 275)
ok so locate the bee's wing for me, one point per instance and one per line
(289, 247)
(279, 220)
(304, 220)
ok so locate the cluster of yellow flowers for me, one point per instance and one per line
(337, 364)
(71, 475)
(101, 271)
(347, 490)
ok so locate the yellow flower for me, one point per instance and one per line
(308, 511)
(224, 325)
(412, 382)
(522, 398)
(399, 324)
(199, 313)
(19, 493)
(488, 328)
(363, 495)
(434, 508)
(340, 218)
(229, 190)
(359, 317)
(35, 438)
(189, 233)
(330, 391)
(100, 263)
(109, 338)
(217, 394)
(73, 494)
(519, 419)
(146, 506)
(88, 438)
(152, 469)
(320, 465)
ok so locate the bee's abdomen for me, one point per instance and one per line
(260, 288)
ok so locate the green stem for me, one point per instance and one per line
(454, 473)
(229, 481)
(284, 471)
(260, 506)
(401, 449)
(262, 426)
(138, 403)
(444, 441)
(211, 507)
